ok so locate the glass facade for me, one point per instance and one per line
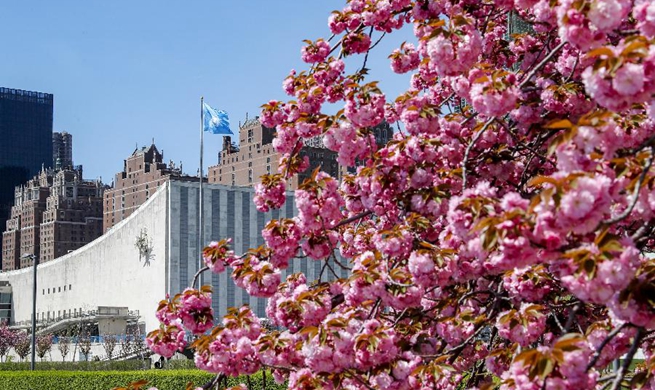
(5, 302)
(25, 141)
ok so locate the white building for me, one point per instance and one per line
(152, 253)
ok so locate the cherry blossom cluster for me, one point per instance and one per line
(230, 349)
(217, 255)
(501, 239)
(190, 310)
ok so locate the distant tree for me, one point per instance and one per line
(22, 346)
(64, 346)
(127, 344)
(43, 345)
(7, 340)
(109, 342)
(139, 343)
(84, 343)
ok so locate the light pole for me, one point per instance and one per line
(35, 260)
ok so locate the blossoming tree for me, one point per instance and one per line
(7, 340)
(499, 240)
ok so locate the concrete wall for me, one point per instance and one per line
(106, 272)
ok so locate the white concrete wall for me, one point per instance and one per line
(106, 272)
(109, 271)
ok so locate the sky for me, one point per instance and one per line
(126, 72)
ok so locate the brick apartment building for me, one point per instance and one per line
(73, 215)
(54, 213)
(255, 156)
(22, 234)
(143, 172)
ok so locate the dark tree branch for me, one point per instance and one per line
(215, 380)
(569, 321)
(541, 64)
(602, 345)
(197, 275)
(635, 195)
(353, 219)
(475, 139)
(628, 360)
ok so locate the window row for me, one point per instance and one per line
(56, 289)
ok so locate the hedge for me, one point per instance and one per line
(125, 365)
(106, 380)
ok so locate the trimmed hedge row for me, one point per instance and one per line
(106, 380)
(125, 365)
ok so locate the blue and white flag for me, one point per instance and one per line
(215, 120)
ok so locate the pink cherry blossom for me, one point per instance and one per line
(315, 51)
(500, 236)
(167, 340)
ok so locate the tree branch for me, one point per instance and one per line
(470, 147)
(195, 278)
(628, 359)
(602, 345)
(353, 219)
(213, 382)
(569, 321)
(635, 195)
(541, 64)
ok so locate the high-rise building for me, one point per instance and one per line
(54, 213)
(73, 215)
(25, 141)
(143, 172)
(22, 232)
(256, 156)
(62, 150)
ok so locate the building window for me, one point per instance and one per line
(69, 287)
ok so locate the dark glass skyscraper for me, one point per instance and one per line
(25, 141)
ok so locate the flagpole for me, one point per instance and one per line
(200, 229)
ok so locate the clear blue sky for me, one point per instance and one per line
(125, 72)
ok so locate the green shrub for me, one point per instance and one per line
(180, 364)
(106, 380)
(125, 365)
